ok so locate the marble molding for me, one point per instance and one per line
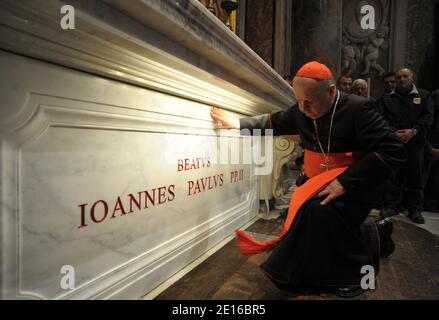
(177, 47)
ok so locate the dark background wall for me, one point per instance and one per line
(421, 48)
(316, 33)
(317, 29)
(436, 46)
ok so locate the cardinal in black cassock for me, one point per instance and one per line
(349, 153)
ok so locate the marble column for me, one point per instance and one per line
(282, 36)
(316, 33)
(398, 34)
(259, 28)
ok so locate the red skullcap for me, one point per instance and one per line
(314, 70)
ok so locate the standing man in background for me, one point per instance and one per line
(389, 81)
(409, 112)
(344, 83)
(360, 87)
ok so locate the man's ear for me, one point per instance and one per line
(332, 89)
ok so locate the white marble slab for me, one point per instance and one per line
(80, 142)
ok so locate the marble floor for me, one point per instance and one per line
(412, 272)
(431, 222)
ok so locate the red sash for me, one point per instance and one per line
(315, 161)
(319, 179)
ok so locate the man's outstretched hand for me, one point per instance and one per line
(332, 191)
(222, 120)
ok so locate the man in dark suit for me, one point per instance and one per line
(409, 112)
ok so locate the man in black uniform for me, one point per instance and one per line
(409, 112)
(327, 242)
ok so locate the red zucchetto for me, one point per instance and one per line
(314, 70)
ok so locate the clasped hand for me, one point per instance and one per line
(404, 135)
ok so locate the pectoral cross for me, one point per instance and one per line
(327, 165)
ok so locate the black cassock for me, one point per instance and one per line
(328, 245)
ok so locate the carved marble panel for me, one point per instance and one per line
(100, 176)
(365, 51)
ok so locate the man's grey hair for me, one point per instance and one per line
(325, 84)
(406, 68)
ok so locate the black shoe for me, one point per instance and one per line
(388, 212)
(385, 229)
(417, 217)
(348, 292)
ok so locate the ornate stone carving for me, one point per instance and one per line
(351, 56)
(285, 152)
(221, 9)
(376, 41)
(211, 6)
(365, 50)
(277, 184)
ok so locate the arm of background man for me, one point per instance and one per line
(383, 156)
(382, 104)
(425, 120)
